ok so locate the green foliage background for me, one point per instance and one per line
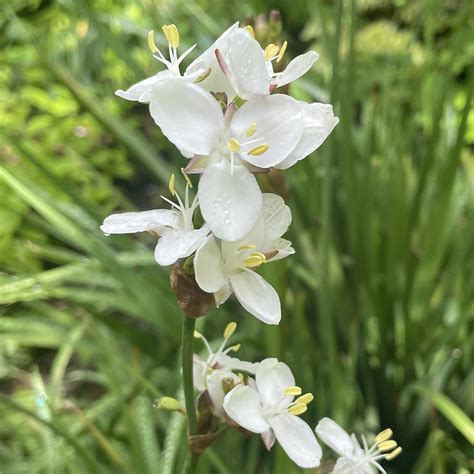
(377, 303)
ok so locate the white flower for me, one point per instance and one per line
(239, 65)
(225, 267)
(175, 228)
(268, 131)
(353, 458)
(209, 374)
(141, 91)
(267, 406)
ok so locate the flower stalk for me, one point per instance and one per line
(187, 342)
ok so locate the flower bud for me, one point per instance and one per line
(168, 403)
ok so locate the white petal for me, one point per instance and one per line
(223, 294)
(279, 124)
(249, 74)
(236, 364)
(199, 372)
(272, 378)
(216, 81)
(257, 296)
(189, 116)
(214, 387)
(335, 437)
(284, 249)
(141, 91)
(296, 68)
(230, 201)
(176, 244)
(242, 404)
(132, 222)
(208, 267)
(297, 439)
(319, 121)
(277, 219)
(348, 466)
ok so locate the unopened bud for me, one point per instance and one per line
(168, 403)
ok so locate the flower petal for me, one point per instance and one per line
(268, 439)
(279, 125)
(335, 437)
(236, 364)
(257, 296)
(319, 121)
(230, 199)
(176, 244)
(208, 267)
(272, 378)
(242, 404)
(277, 219)
(214, 387)
(296, 68)
(199, 373)
(248, 70)
(216, 81)
(297, 439)
(141, 91)
(132, 222)
(188, 116)
(284, 249)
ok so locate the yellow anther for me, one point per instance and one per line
(203, 76)
(197, 335)
(171, 35)
(236, 348)
(282, 51)
(306, 398)
(297, 409)
(251, 130)
(386, 446)
(384, 435)
(186, 178)
(254, 260)
(230, 329)
(151, 42)
(250, 30)
(171, 184)
(246, 247)
(241, 377)
(294, 390)
(259, 150)
(393, 454)
(271, 51)
(233, 145)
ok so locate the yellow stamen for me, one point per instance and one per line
(387, 445)
(187, 179)
(203, 76)
(171, 185)
(297, 409)
(282, 51)
(271, 51)
(293, 390)
(251, 130)
(236, 348)
(198, 335)
(384, 435)
(306, 398)
(246, 247)
(151, 42)
(250, 30)
(233, 145)
(230, 329)
(393, 454)
(259, 150)
(171, 34)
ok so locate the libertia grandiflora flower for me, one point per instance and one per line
(267, 406)
(177, 236)
(354, 458)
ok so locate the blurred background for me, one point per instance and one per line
(378, 302)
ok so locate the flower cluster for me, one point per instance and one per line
(224, 114)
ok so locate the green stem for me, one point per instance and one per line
(188, 385)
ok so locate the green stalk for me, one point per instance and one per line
(188, 386)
